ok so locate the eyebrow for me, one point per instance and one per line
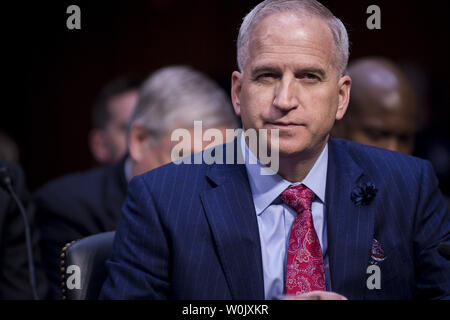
(318, 71)
(264, 69)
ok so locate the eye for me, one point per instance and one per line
(375, 135)
(405, 138)
(267, 75)
(311, 77)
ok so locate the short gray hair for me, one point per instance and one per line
(176, 96)
(311, 7)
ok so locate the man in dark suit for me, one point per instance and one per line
(14, 267)
(77, 206)
(83, 204)
(333, 215)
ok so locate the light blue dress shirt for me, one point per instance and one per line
(275, 218)
(127, 169)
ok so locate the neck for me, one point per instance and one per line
(295, 168)
(138, 168)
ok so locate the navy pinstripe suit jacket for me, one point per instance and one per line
(190, 231)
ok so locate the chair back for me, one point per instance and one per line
(83, 269)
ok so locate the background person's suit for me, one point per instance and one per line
(190, 231)
(74, 207)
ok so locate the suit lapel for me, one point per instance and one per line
(349, 228)
(231, 215)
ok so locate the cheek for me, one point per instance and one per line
(162, 155)
(329, 101)
(116, 134)
(255, 103)
(147, 161)
(121, 139)
(321, 109)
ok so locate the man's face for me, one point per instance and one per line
(290, 82)
(120, 110)
(147, 154)
(389, 128)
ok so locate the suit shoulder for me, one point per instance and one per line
(402, 174)
(75, 181)
(172, 170)
(365, 155)
(73, 187)
(180, 179)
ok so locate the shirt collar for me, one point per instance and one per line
(266, 188)
(127, 169)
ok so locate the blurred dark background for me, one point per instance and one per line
(54, 74)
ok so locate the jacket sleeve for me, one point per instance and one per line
(138, 267)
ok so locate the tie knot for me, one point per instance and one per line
(298, 197)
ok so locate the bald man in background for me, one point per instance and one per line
(383, 110)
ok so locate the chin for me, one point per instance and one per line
(292, 147)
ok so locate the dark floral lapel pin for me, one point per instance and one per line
(363, 194)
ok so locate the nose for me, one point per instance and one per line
(286, 95)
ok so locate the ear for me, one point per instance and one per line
(138, 142)
(97, 144)
(344, 85)
(236, 86)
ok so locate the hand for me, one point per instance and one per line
(317, 295)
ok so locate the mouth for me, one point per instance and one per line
(282, 125)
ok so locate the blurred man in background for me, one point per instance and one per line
(87, 203)
(173, 98)
(110, 116)
(383, 110)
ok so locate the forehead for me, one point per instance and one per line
(122, 105)
(387, 112)
(370, 99)
(292, 37)
(393, 124)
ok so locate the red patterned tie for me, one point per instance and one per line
(305, 270)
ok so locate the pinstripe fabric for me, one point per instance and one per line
(408, 217)
(190, 231)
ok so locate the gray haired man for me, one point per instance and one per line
(339, 220)
(173, 98)
(82, 204)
